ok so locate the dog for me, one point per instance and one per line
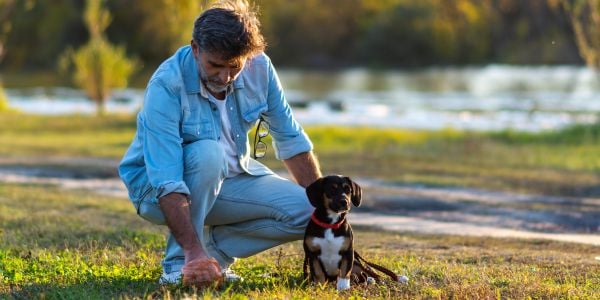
(328, 240)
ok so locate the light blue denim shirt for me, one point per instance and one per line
(176, 112)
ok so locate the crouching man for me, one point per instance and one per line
(189, 165)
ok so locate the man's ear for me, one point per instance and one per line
(195, 49)
(356, 193)
(315, 192)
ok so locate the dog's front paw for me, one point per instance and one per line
(343, 284)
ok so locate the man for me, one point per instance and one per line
(189, 164)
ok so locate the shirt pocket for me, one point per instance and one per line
(251, 107)
(195, 131)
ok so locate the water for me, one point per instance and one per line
(494, 97)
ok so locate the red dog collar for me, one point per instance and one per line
(326, 225)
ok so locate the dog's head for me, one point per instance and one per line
(334, 193)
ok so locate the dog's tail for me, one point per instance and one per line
(362, 270)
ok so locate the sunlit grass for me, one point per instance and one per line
(562, 162)
(76, 245)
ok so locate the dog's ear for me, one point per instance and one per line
(315, 192)
(356, 193)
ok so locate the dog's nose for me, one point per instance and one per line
(341, 205)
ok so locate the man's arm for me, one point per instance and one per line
(175, 207)
(304, 167)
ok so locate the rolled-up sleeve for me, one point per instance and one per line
(289, 139)
(163, 152)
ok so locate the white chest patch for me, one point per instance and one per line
(330, 251)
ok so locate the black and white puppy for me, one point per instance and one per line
(328, 241)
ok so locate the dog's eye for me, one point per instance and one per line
(347, 189)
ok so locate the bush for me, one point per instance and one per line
(98, 68)
(3, 100)
(98, 65)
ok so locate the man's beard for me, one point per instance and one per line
(209, 83)
(214, 87)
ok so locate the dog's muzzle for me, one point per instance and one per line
(340, 205)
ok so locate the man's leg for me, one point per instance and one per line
(205, 169)
(255, 213)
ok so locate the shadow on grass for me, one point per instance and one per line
(88, 289)
(143, 289)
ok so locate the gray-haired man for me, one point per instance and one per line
(189, 164)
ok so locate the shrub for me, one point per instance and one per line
(98, 66)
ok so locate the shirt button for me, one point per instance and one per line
(231, 108)
(237, 135)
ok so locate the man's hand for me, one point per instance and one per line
(202, 272)
(199, 269)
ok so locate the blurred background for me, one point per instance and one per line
(466, 64)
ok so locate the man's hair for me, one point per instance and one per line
(229, 28)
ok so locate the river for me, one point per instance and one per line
(493, 97)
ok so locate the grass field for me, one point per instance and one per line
(58, 244)
(76, 245)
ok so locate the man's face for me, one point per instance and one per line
(215, 72)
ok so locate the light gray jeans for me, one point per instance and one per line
(234, 217)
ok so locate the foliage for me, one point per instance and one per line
(98, 65)
(336, 33)
(3, 100)
(585, 16)
(59, 244)
(171, 22)
(7, 7)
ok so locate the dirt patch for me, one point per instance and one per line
(455, 211)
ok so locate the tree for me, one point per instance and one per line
(98, 66)
(7, 7)
(169, 22)
(585, 17)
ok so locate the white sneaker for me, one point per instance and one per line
(175, 277)
(170, 278)
(230, 277)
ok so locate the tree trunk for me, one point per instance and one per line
(100, 107)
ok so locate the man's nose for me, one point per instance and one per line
(225, 76)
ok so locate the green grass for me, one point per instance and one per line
(554, 163)
(58, 244)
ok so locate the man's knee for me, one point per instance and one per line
(204, 158)
(302, 212)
